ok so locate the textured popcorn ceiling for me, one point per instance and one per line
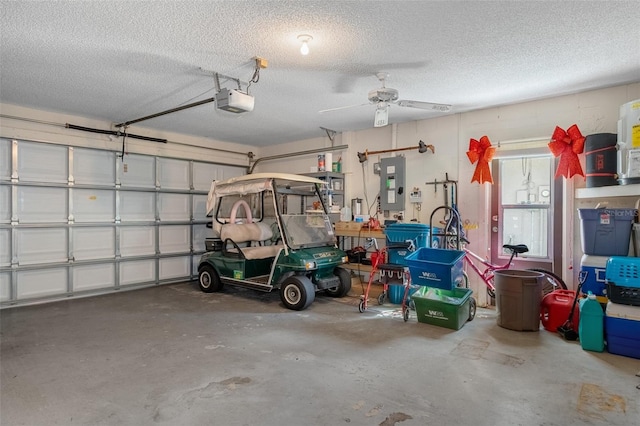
(122, 60)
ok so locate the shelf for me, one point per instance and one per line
(609, 191)
(358, 267)
(363, 233)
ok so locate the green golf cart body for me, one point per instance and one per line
(274, 233)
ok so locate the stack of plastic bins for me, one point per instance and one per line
(603, 233)
(622, 317)
(401, 240)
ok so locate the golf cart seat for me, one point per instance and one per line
(253, 235)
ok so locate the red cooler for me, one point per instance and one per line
(555, 308)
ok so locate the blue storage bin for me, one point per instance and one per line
(419, 233)
(606, 232)
(437, 268)
(398, 255)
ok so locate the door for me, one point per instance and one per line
(526, 208)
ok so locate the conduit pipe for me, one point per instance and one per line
(295, 154)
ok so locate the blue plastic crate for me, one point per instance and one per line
(418, 233)
(437, 268)
(623, 271)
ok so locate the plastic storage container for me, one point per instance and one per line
(601, 161)
(622, 328)
(518, 298)
(444, 308)
(623, 280)
(591, 329)
(418, 233)
(592, 271)
(437, 268)
(555, 308)
(606, 232)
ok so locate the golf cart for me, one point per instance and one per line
(273, 233)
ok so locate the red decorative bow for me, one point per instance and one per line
(567, 145)
(482, 152)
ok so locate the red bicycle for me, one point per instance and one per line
(551, 281)
(454, 239)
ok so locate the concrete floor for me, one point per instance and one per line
(171, 355)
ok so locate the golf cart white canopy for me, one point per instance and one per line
(252, 184)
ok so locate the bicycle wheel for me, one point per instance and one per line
(551, 282)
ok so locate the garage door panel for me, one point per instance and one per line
(94, 167)
(137, 241)
(93, 243)
(137, 206)
(38, 162)
(200, 232)
(42, 205)
(5, 286)
(174, 207)
(42, 245)
(5, 204)
(91, 277)
(173, 174)
(5, 159)
(139, 271)
(175, 239)
(175, 267)
(203, 175)
(5, 247)
(199, 207)
(138, 171)
(42, 282)
(91, 205)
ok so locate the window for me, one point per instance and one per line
(524, 204)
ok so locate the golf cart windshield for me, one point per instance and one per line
(292, 202)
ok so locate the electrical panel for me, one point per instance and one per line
(392, 183)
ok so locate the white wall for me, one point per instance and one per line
(593, 111)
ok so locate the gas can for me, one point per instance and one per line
(591, 329)
(555, 308)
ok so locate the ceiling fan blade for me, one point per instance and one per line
(341, 108)
(425, 105)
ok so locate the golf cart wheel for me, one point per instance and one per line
(345, 283)
(361, 306)
(472, 308)
(297, 293)
(208, 279)
(405, 314)
(381, 298)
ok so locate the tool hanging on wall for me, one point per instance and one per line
(445, 184)
(422, 147)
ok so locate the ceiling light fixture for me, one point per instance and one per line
(305, 39)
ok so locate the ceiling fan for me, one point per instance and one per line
(384, 96)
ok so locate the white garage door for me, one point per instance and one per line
(77, 221)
